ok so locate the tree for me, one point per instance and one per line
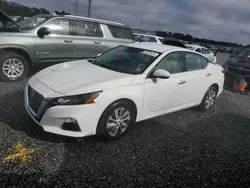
(15, 9)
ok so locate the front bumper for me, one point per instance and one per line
(87, 117)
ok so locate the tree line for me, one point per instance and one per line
(190, 38)
(15, 9)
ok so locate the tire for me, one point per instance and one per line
(21, 67)
(110, 127)
(208, 99)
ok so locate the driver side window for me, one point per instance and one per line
(59, 26)
(172, 63)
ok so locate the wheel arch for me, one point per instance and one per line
(216, 86)
(127, 100)
(18, 50)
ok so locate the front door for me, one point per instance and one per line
(58, 45)
(161, 94)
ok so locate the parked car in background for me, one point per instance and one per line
(148, 38)
(239, 65)
(206, 52)
(48, 38)
(132, 83)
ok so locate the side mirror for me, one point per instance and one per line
(43, 31)
(160, 73)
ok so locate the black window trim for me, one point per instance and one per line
(100, 31)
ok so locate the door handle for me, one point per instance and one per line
(182, 82)
(68, 41)
(208, 74)
(97, 42)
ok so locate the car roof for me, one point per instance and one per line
(155, 47)
(147, 35)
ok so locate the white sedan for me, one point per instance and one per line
(206, 52)
(126, 84)
(148, 38)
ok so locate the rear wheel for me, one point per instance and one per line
(208, 99)
(116, 120)
(13, 67)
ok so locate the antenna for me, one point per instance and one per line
(89, 9)
(76, 7)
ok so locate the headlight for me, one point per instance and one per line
(77, 99)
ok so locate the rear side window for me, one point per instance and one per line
(195, 61)
(120, 32)
(198, 50)
(59, 26)
(205, 51)
(85, 28)
(161, 40)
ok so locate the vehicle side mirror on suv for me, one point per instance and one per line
(43, 31)
(161, 73)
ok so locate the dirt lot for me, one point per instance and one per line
(183, 149)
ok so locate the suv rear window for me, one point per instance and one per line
(120, 32)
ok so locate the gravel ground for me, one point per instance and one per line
(183, 149)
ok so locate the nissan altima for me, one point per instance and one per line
(124, 85)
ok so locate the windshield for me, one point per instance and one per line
(33, 22)
(244, 55)
(239, 52)
(127, 59)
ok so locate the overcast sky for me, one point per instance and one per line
(226, 20)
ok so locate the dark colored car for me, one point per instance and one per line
(239, 66)
(237, 52)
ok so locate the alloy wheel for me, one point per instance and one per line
(118, 122)
(13, 68)
(210, 98)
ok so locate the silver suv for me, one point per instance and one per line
(47, 38)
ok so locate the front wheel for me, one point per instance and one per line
(116, 120)
(208, 99)
(13, 67)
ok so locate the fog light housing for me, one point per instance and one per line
(71, 124)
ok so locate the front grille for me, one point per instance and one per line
(236, 70)
(35, 99)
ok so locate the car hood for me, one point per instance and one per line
(5, 18)
(78, 77)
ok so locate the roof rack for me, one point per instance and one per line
(93, 19)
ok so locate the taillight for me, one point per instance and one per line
(224, 71)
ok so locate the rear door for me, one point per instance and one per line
(58, 45)
(88, 38)
(199, 76)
